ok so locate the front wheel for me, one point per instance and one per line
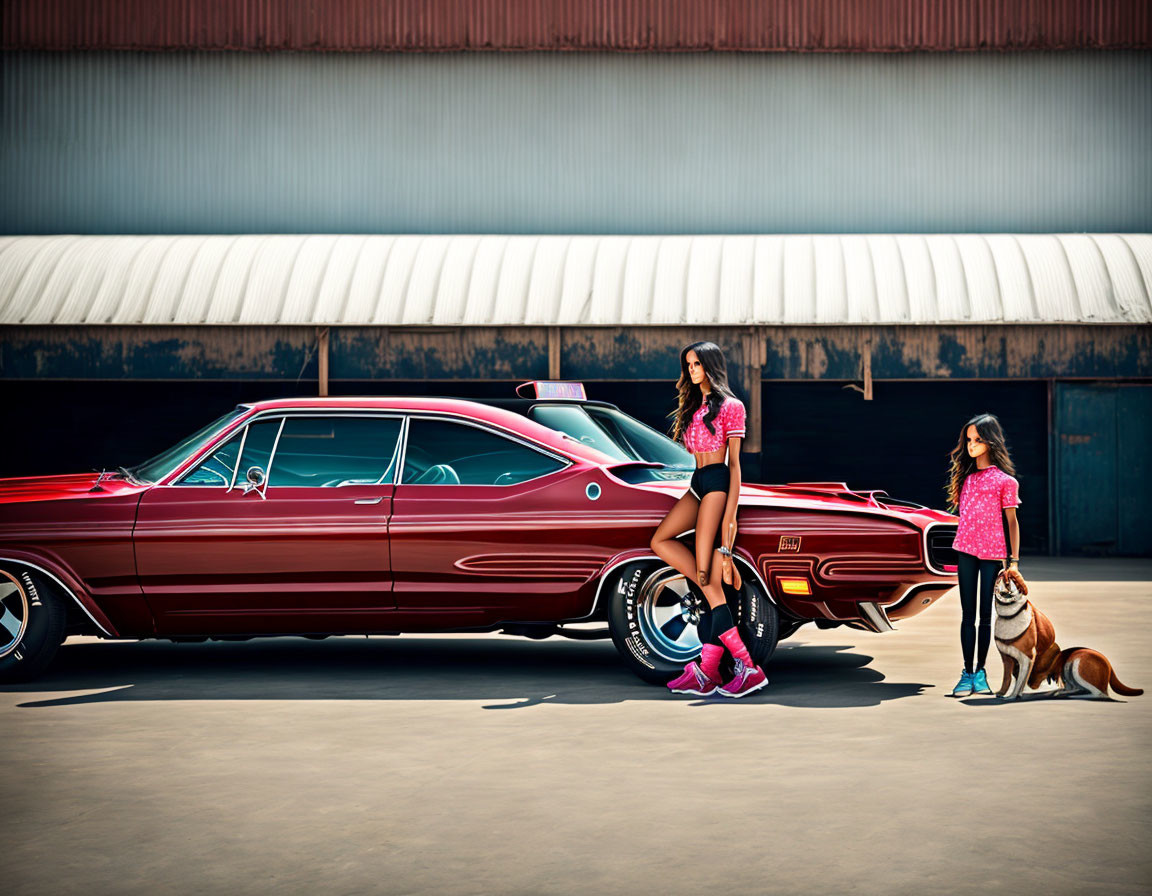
(653, 612)
(32, 620)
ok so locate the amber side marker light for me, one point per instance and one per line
(795, 586)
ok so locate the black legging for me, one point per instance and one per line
(968, 567)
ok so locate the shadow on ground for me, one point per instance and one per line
(509, 674)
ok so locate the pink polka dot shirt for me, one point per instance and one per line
(983, 498)
(729, 423)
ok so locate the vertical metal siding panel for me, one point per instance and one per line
(393, 293)
(464, 144)
(982, 286)
(737, 298)
(171, 279)
(1090, 275)
(919, 277)
(1128, 283)
(452, 293)
(232, 280)
(891, 279)
(424, 284)
(637, 293)
(481, 297)
(512, 287)
(768, 279)
(579, 271)
(547, 283)
(302, 291)
(140, 285)
(608, 280)
(859, 280)
(668, 291)
(1141, 246)
(701, 286)
(82, 271)
(845, 25)
(1052, 282)
(1012, 275)
(831, 288)
(952, 301)
(799, 282)
(268, 278)
(364, 287)
(100, 306)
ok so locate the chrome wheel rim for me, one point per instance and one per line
(13, 612)
(667, 613)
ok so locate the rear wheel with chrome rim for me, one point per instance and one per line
(32, 620)
(653, 612)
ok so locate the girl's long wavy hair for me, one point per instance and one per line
(962, 465)
(691, 397)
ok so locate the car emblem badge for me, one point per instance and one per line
(789, 543)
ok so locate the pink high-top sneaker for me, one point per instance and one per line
(746, 680)
(693, 681)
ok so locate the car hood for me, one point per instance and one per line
(72, 485)
(825, 497)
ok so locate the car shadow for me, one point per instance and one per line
(504, 674)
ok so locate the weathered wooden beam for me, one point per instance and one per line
(322, 358)
(1066, 351)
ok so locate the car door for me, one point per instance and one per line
(487, 527)
(283, 529)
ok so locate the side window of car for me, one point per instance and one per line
(218, 467)
(258, 448)
(440, 452)
(334, 451)
(254, 441)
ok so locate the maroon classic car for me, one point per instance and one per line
(532, 516)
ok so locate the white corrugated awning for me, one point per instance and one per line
(576, 280)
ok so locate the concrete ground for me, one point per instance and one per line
(490, 764)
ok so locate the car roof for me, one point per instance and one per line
(499, 412)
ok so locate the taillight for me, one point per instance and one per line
(794, 586)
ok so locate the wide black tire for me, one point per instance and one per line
(631, 593)
(36, 611)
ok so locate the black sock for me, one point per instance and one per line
(721, 621)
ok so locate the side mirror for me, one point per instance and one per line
(255, 478)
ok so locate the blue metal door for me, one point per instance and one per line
(1104, 468)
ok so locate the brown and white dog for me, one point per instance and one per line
(1082, 671)
(1025, 638)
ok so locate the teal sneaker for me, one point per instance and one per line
(980, 683)
(963, 686)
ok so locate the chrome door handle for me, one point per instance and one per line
(369, 500)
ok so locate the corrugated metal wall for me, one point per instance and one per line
(829, 25)
(554, 143)
(576, 280)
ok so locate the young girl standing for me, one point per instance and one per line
(982, 489)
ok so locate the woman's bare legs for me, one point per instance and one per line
(688, 513)
(680, 518)
(707, 522)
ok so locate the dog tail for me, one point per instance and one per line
(1120, 688)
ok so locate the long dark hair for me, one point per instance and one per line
(690, 395)
(962, 464)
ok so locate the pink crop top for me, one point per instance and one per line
(729, 423)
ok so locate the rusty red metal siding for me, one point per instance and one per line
(580, 25)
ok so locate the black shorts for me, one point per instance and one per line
(712, 478)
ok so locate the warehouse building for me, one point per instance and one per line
(890, 216)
